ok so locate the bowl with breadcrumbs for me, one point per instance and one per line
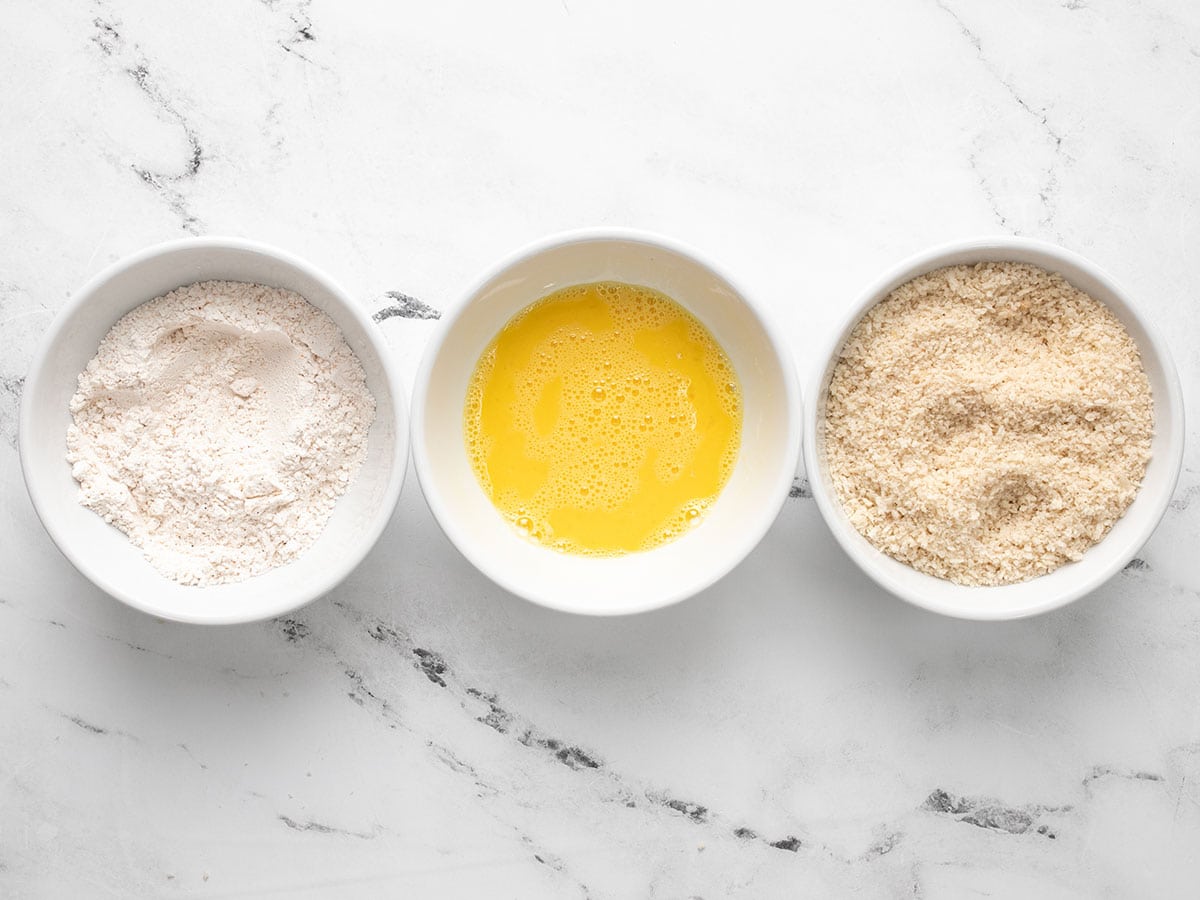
(996, 429)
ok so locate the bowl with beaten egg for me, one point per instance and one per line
(605, 423)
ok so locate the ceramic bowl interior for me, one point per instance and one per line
(635, 582)
(101, 552)
(1103, 560)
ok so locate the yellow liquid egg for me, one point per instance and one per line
(603, 419)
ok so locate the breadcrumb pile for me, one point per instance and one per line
(987, 424)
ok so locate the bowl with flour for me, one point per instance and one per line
(213, 431)
(997, 429)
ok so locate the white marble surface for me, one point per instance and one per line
(421, 733)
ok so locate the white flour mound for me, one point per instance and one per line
(217, 425)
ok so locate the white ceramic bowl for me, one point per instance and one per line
(635, 582)
(105, 555)
(1103, 560)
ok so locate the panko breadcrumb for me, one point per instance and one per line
(987, 424)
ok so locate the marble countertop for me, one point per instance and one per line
(791, 732)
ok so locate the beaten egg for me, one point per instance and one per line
(603, 419)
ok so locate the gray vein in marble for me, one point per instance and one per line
(300, 28)
(91, 727)
(883, 846)
(486, 709)
(322, 828)
(295, 631)
(496, 718)
(135, 647)
(18, 355)
(188, 750)
(789, 843)
(10, 403)
(1183, 499)
(1099, 772)
(800, 489)
(555, 862)
(405, 307)
(455, 764)
(8, 290)
(693, 811)
(987, 812)
(364, 696)
(574, 758)
(434, 668)
(1050, 186)
(86, 726)
(112, 44)
(988, 194)
(431, 664)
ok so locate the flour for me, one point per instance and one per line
(217, 426)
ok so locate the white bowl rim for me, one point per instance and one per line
(335, 573)
(929, 260)
(753, 533)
